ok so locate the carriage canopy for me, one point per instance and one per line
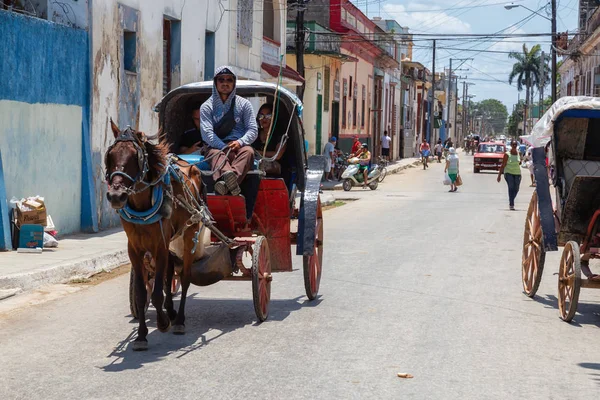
(565, 107)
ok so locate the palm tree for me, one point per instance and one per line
(527, 70)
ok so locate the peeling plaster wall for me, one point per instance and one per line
(42, 109)
(106, 34)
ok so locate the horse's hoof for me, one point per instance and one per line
(178, 329)
(166, 328)
(139, 345)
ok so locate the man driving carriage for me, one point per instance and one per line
(229, 128)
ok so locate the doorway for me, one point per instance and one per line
(319, 124)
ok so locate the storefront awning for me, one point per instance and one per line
(289, 75)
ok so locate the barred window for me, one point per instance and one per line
(326, 89)
(245, 20)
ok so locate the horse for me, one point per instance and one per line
(155, 197)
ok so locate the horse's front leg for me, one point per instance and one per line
(186, 277)
(140, 343)
(168, 289)
(163, 323)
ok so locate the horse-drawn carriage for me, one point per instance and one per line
(566, 150)
(216, 233)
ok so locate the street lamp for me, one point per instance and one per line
(553, 46)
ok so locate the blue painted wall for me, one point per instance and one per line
(47, 62)
(44, 136)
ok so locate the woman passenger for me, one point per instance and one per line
(263, 119)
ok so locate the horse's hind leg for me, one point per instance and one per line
(163, 323)
(168, 292)
(186, 276)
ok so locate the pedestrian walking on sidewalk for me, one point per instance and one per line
(511, 168)
(329, 153)
(437, 150)
(385, 145)
(452, 164)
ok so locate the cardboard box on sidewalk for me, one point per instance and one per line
(31, 211)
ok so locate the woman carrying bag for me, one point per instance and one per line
(452, 163)
(511, 168)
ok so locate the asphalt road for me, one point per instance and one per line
(416, 280)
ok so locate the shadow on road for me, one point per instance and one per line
(587, 314)
(594, 366)
(206, 321)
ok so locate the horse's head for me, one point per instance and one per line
(126, 163)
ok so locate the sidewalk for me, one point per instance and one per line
(77, 256)
(392, 168)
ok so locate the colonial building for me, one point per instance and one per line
(323, 63)
(580, 70)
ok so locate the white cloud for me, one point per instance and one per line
(436, 22)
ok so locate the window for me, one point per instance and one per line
(596, 82)
(588, 92)
(245, 21)
(327, 88)
(344, 112)
(129, 50)
(171, 54)
(350, 88)
(268, 19)
(209, 56)
(362, 106)
(354, 110)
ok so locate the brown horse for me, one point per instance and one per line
(134, 168)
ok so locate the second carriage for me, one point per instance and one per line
(566, 154)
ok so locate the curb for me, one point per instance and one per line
(64, 273)
(338, 186)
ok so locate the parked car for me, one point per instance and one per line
(489, 156)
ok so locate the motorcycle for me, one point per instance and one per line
(352, 176)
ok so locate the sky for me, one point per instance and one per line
(488, 72)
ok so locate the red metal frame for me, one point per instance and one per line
(271, 218)
(586, 242)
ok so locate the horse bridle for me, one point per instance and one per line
(128, 135)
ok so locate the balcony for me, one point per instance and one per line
(592, 24)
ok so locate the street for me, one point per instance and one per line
(415, 280)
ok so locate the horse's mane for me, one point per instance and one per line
(157, 157)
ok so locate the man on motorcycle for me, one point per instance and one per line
(364, 158)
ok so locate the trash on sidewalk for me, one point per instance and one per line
(405, 375)
(31, 210)
(32, 227)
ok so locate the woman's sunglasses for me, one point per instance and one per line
(264, 116)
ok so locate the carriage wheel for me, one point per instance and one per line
(261, 278)
(313, 265)
(534, 254)
(569, 281)
(132, 298)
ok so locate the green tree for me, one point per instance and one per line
(527, 71)
(493, 111)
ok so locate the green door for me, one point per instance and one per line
(319, 123)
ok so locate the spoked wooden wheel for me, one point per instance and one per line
(313, 264)
(569, 281)
(534, 255)
(261, 278)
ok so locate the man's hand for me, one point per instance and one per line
(498, 179)
(234, 145)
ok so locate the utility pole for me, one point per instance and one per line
(542, 83)
(299, 39)
(554, 71)
(464, 108)
(431, 107)
(456, 113)
(448, 94)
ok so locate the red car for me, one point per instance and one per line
(489, 156)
